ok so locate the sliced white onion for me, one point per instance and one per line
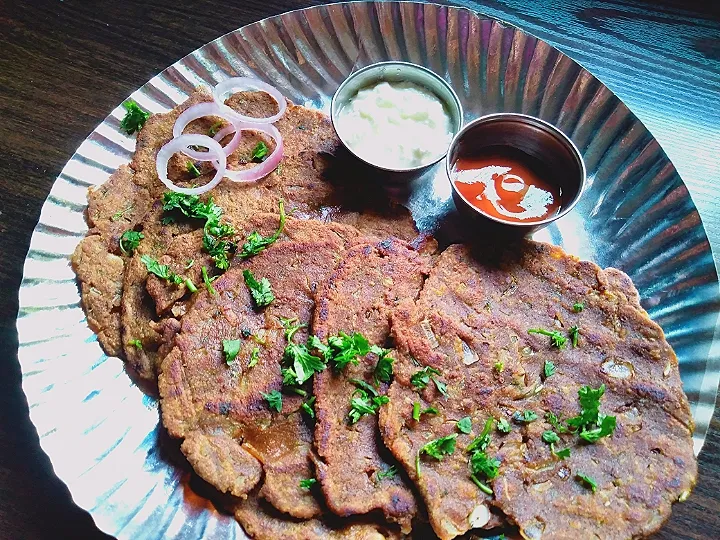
(199, 111)
(262, 169)
(181, 144)
(226, 88)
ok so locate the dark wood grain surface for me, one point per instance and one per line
(64, 65)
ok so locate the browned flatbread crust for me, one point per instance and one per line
(475, 311)
(359, 297)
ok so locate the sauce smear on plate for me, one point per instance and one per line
(507, 184)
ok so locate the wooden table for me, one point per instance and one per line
(64, 64)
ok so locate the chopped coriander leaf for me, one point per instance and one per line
(441, 386)
(390, 472)
(134, 118)
(555, 422)
(548, 369)
(136, 343)
(417, 413)
(550, 437)
(260, 290)
(129, 241)
(578, 307)
(499, 367)
(464, 425)
(191, 206)
(291, 327)
(524, 417)
(384, 367)
(256, 242)
(345, 349)
(307, 483)
(481, 464)
(299, 365)
(274, 400)
(299, 391)
(208, 281)
(364, 386)
(421, 379)
(482, 441)
(483, 487)
(192, 169)
(361, 404)
(586, 480)
(315, 343)
(260, 152)
(441, 447)
(254, 357)
(160, 270)
(503, 426)
(573, 333)
(215, 128)
(231, 348)
(562, 454)
(591, 424)
(606, 428)
(556, 338)
(307, 407)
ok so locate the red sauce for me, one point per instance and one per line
(507, 184)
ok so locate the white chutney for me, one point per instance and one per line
(395, 125)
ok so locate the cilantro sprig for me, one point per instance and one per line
(556, 338)
(384, 368)
(231, 348)
(437, 449)
(422, 378)
(261, 291)
(390, 472)
(417, 413)
(364, 401)
(134, 118)
(591, 425)
(256, 242)
(482, 467)
(161, 270)
(129, 241)
(274, 400)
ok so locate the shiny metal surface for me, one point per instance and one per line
(394, 71)
(101, 431)
(534, 137)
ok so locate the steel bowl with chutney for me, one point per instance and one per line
(513, 174)
(396, 116)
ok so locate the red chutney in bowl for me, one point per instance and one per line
(507, 184)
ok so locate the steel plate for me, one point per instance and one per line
(101, 431)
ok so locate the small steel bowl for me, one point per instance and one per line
(534, 137)
(397, 72)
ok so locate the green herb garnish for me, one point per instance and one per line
(129, 241)
(136, 343)
(190, 285)
(422, 378)
(464, 425)
(587, 481)
(390, 472)
(591, 424)
(134, 118)
(254, 357)
(308, 407)
(548, 369)
(573, 333)
(215, 128)
(260, 290)
(439, 448)
(503, 426)
(231, 348)
(260, 152)
(384, 367)
(361, 404)
(499, 366)
(192, 169)
(291, 326)
(208, 281)
(256, 242)
(274, 400)
(307, 483)
(481, 465)
(160, 270)
(555, 422)
(578, 307)
(299, 364)
(345, 349)
(524, 417)
(417, 413)
(556, 338)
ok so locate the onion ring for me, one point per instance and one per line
(247, 83)
(198, 111)
(180, 144)
(264, 168)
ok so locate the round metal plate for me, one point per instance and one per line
(101, 431)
